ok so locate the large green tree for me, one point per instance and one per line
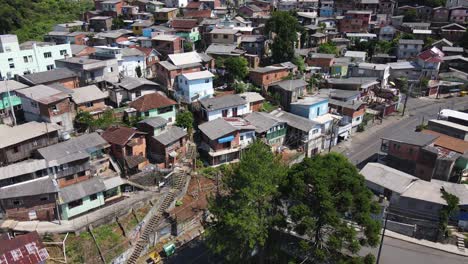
(245, 212)
(185, 119)
(322, 192)
(328, 48)
(284, 27)
(237, 68)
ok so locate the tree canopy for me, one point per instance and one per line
(245, 214)
(284, 27)
(30, 20)
(184, 119)
(322, 192)
(237, 67)
(328, 48)
(315, 198)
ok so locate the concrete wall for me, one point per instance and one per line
(215, 114)
(187, 89)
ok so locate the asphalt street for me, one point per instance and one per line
(359, 148)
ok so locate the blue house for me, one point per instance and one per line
(310, 107)
(194, 86)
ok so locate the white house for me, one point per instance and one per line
(176, 3)
(194, 86)
(28, 57)
(224, 106)
(128, 59)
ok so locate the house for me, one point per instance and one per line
(225, 36)
(64, 37)
(288, 91)
(459, 15)
(176, 3)
(404, 69)
(165, 14)
(406, 151)
(449, 128)
(186, 28)
(84, 174)
(267, 128)
(169, 146)
(252, 11)
(128, 147)
(70, 26)
(90, 99)
(10, 103)
(151, 59)
(387, 33)
(194, 86)
(322, 60)
(409, 195)
(129, 59)
(223, 139)
(380, 71)
(408, 48)
(155, 105)
(63, 76)
(129, 89)
(224, 50)
(265, 76)
(355, 21)
(326, 9)
(48, 104)
(157, 30)
(302, 133)
(139, 25)
(254, 100)
(81, 50)
(253, 44)
(165, 145)
(310, 107)
(452, 32)
(100, 23)
(430, 61)
(199, 14)
(110, 37)
(440, 14)
(167, 44)
(362, 84)
(351, 111)
(111, 8)
(453, 51)
(27, 249)
(223, 106)
(19, 142)
(91, 71)
(177, 64)
(356, 56)
(28, 57)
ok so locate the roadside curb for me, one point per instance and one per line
(428, 244)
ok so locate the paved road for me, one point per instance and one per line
(394, 251)
(363, 145)
(398, 251)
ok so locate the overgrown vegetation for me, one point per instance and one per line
(447, 211)
(30, 20)
(285, 27)
(329, 48)
(86, 122)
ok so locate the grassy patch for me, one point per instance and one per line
(81, 249)
(141, 213)
(110, 240)
(128, 222)
(268, 106)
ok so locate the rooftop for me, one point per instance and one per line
(87, 94)
(151, 101)
(221, 102)
(413, 138)
(198, 75)
(411, 41)
(21, 168)
(216, 128)
(130, 83)
(251, 97)
(392, 179)
(448, 142)
(13, 135)
(295, 121)
(262, 121)
(171, 135)
(120, 135)
(11, 85)
(49, 76)
(43, 94)
(155, 121)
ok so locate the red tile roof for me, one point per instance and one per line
(24, 249)
(431, 55)
(206, 13)
(184, 23)
(151, 101)
(448, 142)
(193, 5)
(119, 135)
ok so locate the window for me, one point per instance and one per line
(358, 118)
(44, 198)
(54, 108)
(215, 36)
(33, 104)
(165, 109)
(138, 93)
(50, 67)
(16, 254)
(225, 113)
(47, 54)
(225, 36)
(25, 58)
(17, 202)
(89, 104)
(111, 69)
(242, 137)
(147, 113)
(31, 248)
(93, 197)
(70, 177)
(207, 80)
(63, 52)
(12, 65)
(75, 204)
(15, 149)
(315, 131)
(30, 58)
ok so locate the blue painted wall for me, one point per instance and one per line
(190, 88)
(310, 111)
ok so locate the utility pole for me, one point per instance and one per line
(381, 240)
(406, 99)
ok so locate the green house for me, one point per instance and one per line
(155, 105)
(270, 129)
(8, 95)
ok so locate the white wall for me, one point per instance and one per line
(241, 110)
(128, 65)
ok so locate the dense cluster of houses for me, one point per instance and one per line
(147, 60)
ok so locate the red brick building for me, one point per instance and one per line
(355, 21)
(264, 76)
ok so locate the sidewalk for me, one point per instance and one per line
(453, 249)
(80, 222)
